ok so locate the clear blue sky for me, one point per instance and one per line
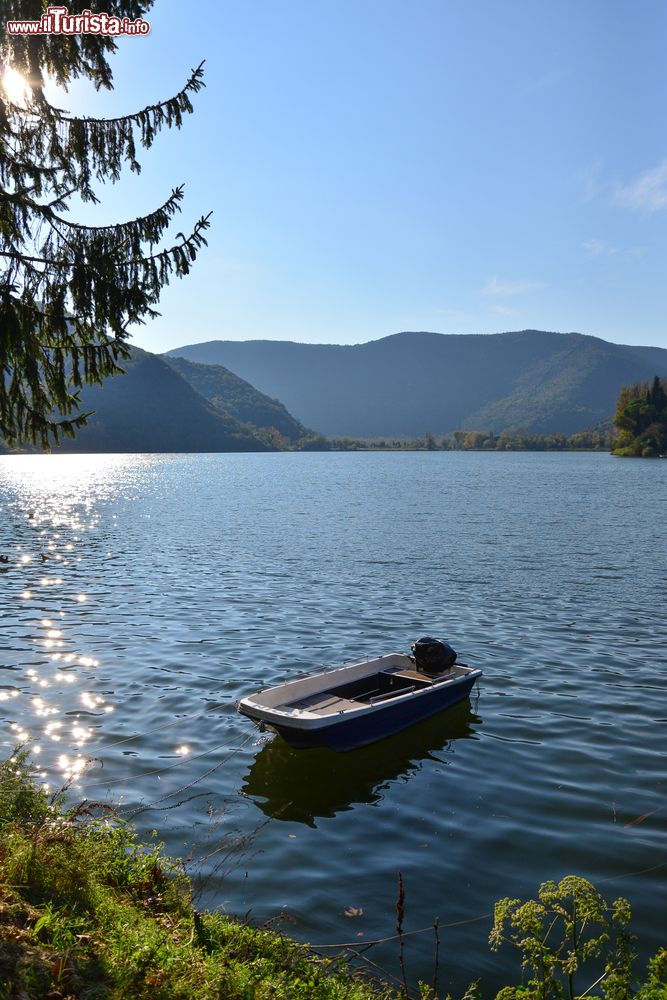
(462, 166)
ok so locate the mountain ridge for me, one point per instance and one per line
(411, 382)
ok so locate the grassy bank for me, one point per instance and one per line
(86, 912)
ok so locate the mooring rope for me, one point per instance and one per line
(471, 920)
(158, 770)
(165, 725)
(190, 784)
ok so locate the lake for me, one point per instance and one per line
(146, 593)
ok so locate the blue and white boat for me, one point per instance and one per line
(359, 703)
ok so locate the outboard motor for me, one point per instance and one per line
(433, 656)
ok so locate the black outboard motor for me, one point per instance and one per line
(433, 656)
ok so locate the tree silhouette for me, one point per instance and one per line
(69, 292)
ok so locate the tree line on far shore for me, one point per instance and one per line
(639, 430)
(594, 440)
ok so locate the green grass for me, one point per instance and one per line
(86, 912)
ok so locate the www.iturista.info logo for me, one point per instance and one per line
(59, 21)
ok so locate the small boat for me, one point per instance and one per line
(359, 703)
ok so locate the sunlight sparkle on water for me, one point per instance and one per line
(53, 509)
(94, 701)
(50, 731)
(71, 768)
(65, 479)
(41, 708)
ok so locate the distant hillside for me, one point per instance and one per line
(237, 398)
(153, 409)
(409, 383)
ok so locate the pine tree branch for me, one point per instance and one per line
(84, 148)
(23, 258)
(193, 85)
(169, 209)
(36, 116)
(195, 239)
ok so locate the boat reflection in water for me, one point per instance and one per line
(304, 785)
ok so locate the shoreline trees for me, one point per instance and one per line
(641, 419)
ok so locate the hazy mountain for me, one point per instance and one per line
(152, 408)
(410, 383)
(236, 397)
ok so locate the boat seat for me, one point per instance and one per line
(412, 675)
(417, 675)
(323, 703)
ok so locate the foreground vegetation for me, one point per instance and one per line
(573, 944)
(86, 912)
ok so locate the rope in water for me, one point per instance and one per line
(184, 788)
(159, 770)
(471, 920)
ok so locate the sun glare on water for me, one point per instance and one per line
(15, 87)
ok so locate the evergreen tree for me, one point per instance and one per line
(658, 397)
(70, 292)
(641, 419)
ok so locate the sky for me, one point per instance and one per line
(374, 166)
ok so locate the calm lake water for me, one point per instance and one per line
(175, 584)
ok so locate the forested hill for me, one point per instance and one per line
(409, 383)
(152, 408)
(237, 398)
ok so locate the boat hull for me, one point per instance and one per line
(349, 734)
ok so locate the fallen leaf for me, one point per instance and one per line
(640, 819)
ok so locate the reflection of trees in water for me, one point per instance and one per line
(302, 785)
